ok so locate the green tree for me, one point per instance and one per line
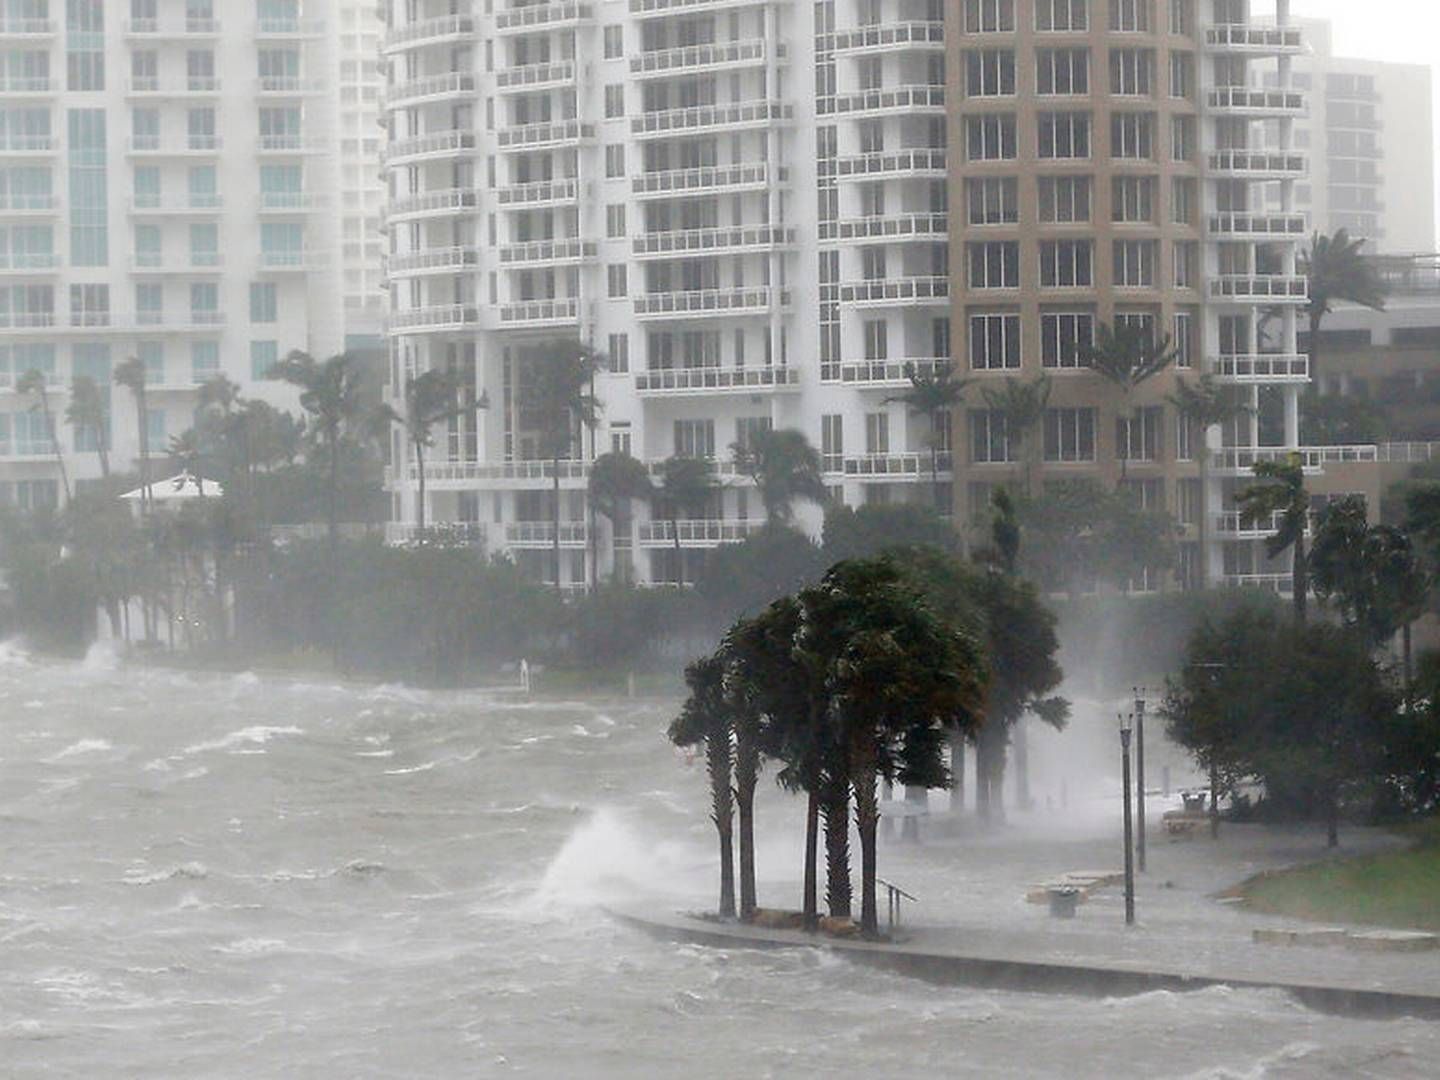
(1203, 405)
(88, 412)
(687, 486)
(1337, 272)
(559, 396)
(857, 532)
(1281, 494)
(785, 467)
(33, 383)
(1127, 355)
(742, 579)
(707, 718)
(1021, 404)
(936, 396)
(616, 481)
(430, 398)
(131, 374)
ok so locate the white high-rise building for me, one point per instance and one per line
(360, 84)
(750, 206)
(168, 180)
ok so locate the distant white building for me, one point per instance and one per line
(170, 188)
(1370, 135)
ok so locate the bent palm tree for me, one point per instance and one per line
(1127, 355)
(1204, 404)
(616, 480)
(132, 375)
(1282, 492)
(707, 717)
(785, 467)
(686, 486)
(1337, 272)
(33, 382)
(87, 412)
(430, 399)
(935, 396)
(1022, 406)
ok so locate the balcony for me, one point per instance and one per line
(1263, 368)
(14, 26)
(439, 144)
(209, 204)
(443, 29)
(706, 180)
(538, 314)
(542, 534)
(890, 37)
(440, 533)
(887, 467)
(1257, 164)
(28, 262)
(533, 17)
(646, 9)
(1241, 460)
(926, 163)
(1231, 525)
(700, 303)
(697, 532)
(189, 27)
(930, 227)
(891, 374)
(922, 99)
(452, 84)
(290, 203)
(885, 292)
(433, 204)
(289, 27)
(529, 77)
(432, 320)
(545, 135)
(674, 382)
(440, 260)
(691, 59)
(19, 86)
(1261, 104)
(193, 146)
(538, 193)
(283, 86)
(197, 263)
(1272, 288)
(192, 87)
(735, 116)
(15, 144)
(505, 474)
(547, 252)
(682, 242)
(1258, 226)
(1281, 584)
(14, 202)
(1255, 40)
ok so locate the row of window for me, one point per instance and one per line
(34, 305)
(1069, 435)
(1066, 72)
(996, 341)
(1133, 136)
(995, 200)
(1073, 16)
(1070, 264)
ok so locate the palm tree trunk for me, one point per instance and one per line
(718, 764)
(1022, 764)
(1204, 463)
(812, 831)
(835, 809)
(1316, 316)
(1300, 580)
(333, 508)
(957, 771)
(747, 768)
(420, 493)
(867, 816)
(555, 524)
(143, 430)
(679, 556)
(55, 445)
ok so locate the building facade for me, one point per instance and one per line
(167, 180)
(763, 212)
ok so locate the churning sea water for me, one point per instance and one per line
(245, 877)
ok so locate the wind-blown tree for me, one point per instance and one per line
(616, 481)
(857, 532)
(1022, 405)
(936, 396)
(785, 467)
(431, 398)
(1127, 355)
(88, 412)
(707, 717)
(131, 374)
(330, 393)
(189, 455)
(33, 383)
(1337, 272)
(1203, 404)
(559, 398)
(686, 487)
(898, 677)
(1281, 491)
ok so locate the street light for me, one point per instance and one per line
(1125, 722)
(1140, 776)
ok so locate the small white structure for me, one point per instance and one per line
(176, 491)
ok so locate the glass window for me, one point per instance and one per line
(264, 355)
(204, 360)
(264, 302)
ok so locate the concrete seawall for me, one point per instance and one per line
(934, 963)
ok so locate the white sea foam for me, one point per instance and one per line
(258, 735)
(84, 746)
(191, 871)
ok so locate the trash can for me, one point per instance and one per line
(1063, 901)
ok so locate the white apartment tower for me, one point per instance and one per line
(750, 207)
(360, 84)
(167, 179)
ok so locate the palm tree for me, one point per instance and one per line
(616, 480)
(560, 398)
(1204, 404)
(686, 486)
(33, 382)
(188, 453)
(132, 375)
(1337, 272)
(785, 467)
(329, 392)
(430, 399)
(1282, 491)
(1022, 405)
(707, 717)
(1127, 355)
(936, 396)
(87, 411)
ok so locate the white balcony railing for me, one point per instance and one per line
(542, 16)
(542, 533)
(435, 318)
(543, 135)
(888, 466)
(435, 259)
(927, 162)
(699, 57)
(1269, 40)
(702, 117)
(711, 241)
(428, 31)
(890, 373)
(441, 533)
(436, 144)
(895, 290)
(547, 251)
(884, 37)
(1289, 288)
(697, 532)
(921, 98)
(447, 85)
(889, 227)
(1260, 226)
(1262, 368)
(539, 192)
(716, 380)
(436, 202)
(1245, 101)
(1258, 164)
(540, 312)
(704, 302)
(706, 179)
(535, 76)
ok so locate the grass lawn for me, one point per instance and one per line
(1398, 889)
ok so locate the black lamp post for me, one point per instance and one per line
(1125, 722)
(1140, 777)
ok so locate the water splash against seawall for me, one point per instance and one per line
(13, 653)
(608, 860)
(102, 657)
